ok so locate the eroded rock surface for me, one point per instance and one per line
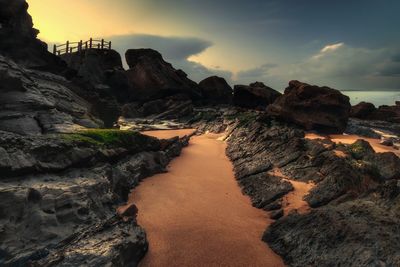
(315, 108)
(59, 195)
(35, 102)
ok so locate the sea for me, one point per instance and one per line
(378, 98)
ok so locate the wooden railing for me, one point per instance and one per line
(71, 47)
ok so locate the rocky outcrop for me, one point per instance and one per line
(172, 107)
(360, 232)
(354, 189)
(19, 39)
(362, 110)
(312, 107)
(216, 90)
(367, 111)
(153, 78)
(59, 195)
(254, 96)
(34, 102)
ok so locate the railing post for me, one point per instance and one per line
(80, 46)
(86, 45)
(67, 47)
(102, 44)
(55, 49)
(90, 42)
(109, 45)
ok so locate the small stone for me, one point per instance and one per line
(129, 210)
(387, 142)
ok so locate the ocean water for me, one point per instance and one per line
(378, 98)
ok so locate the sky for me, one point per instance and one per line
(347, 45)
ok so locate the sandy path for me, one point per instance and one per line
(350, 139)
(196, 215)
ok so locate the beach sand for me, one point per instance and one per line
(196, 215)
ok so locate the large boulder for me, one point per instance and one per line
(19, 38)
(254, 96)
(362, 110)
(216, 90)
(315, 108)
(151, 77)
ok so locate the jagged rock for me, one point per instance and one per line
(254, 96)
(360, 232)
(19, 38)
(52, 213)
(362, 110)
(314, 108)
(92, 64)
(172, 107)
(35, 102)
(152, 78)
(216, 90)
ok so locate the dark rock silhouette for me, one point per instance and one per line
(255, 96)
(368, 111)
(315, 108)
(19, 39)
(151, 77)
(216, 90)
(362, 110)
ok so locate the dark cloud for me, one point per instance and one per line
(177, 48)
(255, 72)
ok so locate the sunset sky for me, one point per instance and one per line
(353, 44)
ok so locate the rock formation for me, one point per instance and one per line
(254, 96)
(152, 78)
(18, 38)
(367, 111)
(216, 90)
(34, 102)
(314, 108)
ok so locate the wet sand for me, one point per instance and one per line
(196, 215)
(350, 139)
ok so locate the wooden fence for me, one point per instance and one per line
(71, 47)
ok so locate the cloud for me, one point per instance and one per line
(336, 65)
(331, 47)
(175, 50)
(255, 72)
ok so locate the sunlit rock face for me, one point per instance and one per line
(315, 108)
(19, 38)
(35, 102)
(151, 77)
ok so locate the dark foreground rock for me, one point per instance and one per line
(356, 197)
(314, 108)
(255, 96)
(59, 195)
(361, 232)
